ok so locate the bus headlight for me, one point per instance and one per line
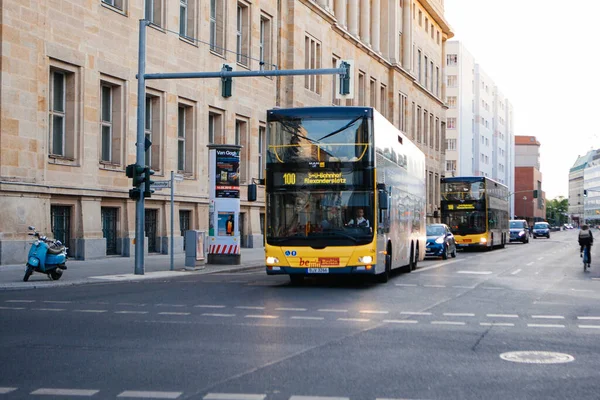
(272, 260)
(365, 259)
(483, 240)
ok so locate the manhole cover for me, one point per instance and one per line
(537, 357)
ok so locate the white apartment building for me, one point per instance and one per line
(480, 131)
(579, 180)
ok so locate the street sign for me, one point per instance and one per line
(157, 185)
(178, 177)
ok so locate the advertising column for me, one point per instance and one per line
(224, 206)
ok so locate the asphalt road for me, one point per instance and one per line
(445, 331)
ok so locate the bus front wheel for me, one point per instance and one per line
(384, 277)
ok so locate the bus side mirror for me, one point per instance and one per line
(252, 192)
(383, 200)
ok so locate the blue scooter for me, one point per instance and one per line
(47, 256)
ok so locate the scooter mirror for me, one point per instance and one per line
(31, 228)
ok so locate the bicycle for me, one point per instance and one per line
(586, 258)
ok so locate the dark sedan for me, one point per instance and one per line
(541, 229)
(440, 241)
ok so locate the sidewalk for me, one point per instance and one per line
(114, 268)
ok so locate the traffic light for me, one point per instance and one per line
(345, 79)
(136, 173)
(584, 193)
(535, 194)
(227, 82)
(148, 182)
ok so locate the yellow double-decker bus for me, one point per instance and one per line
(345, 194)
(477, 211)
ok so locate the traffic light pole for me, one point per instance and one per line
(140, 149)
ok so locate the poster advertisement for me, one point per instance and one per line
(200, 246)
(226, 224)
(228, 174)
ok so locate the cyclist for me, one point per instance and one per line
(586, 239)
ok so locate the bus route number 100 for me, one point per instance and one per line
(289, 178)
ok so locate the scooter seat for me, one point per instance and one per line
(56, 250)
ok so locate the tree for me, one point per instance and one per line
(556, 210)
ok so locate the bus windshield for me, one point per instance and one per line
(465, 222)
(320, 218)
(298, 139)
(465, 190)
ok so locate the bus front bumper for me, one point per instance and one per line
(360, 269)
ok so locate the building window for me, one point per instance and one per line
(312, 60)
(373, 92)
(413, 124)
(185, 138)
(451, 165)
(431, 131)
(63, 121)
(154, 11)
(426, 81)
(152, 131)
(264, 43)
(426, 24)
(437, 134)
(241, 139)
(450, 144)
(452, 80)
(420, 18)
(451, 59)
(383, 99)
(187, 18)
(418, 124)
(115, 3)
(431, 75)
(217, 26)
(437, 81)
(451, 123)
(419, 65)
(361, 88)
(451, 101)
(425, 128)
(215, 127)
(262, 150)
(403, 105)
(243, 33)
(438, 37)
(111, 120)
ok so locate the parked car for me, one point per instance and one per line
(519, 231)
(541, 229)
(440, 241)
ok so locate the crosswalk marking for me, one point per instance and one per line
(12, 308)
(496, 324)
(217, 315)
(308, 318)
(91, 311)
(250, 308)
(317, 398)
(209, 306)
(373, 312)
(354, 319)
(589, 326)
(20, 301)
(4, 390)
(174, 313)
(234, 396)
(447, 314)
(49, 309)
(289, 309)
(401, 321)
(447, 323)
(261, 316)
(331, 310)
(545, 326)
(65, 392)
(547, 317)
(415, 313)
(502, 315)
(131, 312)
(150, 395)
(591, 318)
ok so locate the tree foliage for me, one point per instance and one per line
(556, 210)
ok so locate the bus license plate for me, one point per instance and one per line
(318, 270)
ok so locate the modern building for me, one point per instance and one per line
(528, 180)
(591, 185)
(577, 185)
(69, 96)
(480, 127)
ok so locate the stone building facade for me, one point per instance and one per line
(68, 102)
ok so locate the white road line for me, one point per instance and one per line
(318, 398)
(131, 312)
(217, 315)
(12, 308)
(502, 315)
(495, 324)
(548, 316)
(57, 301)
(234, 396)
(374, 312)
(150, 395)
(448, 314)
(541, 258)
(308, 318)
(516, 272)
(464, 287)
(354, 319)
(250, 308)
(589, 326)
(414, 313)
(434, 266)
(447, 323)
(174, 313)
(492, 288)
(20, 301)
(400, 321)
(209, 306)
(290, 309)
(170, 305)
(475, 272)
(545, 326)
(49, 309)
(331, 310)
(435, 286)
(90, 311)
(531, 263)
(262, 316)
(406, 284)
(4, 390)
(131, 304)
(590, 318)
(583, 290)
(65, 392)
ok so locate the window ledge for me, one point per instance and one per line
(114, 9)
(157, 27)
(216, 53)
(110, 166)
(189, 40)
(62, 160)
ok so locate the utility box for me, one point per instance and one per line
(195, 253)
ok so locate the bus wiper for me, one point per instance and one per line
(343, 128)
(345, 235)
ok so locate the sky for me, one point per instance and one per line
(543, 56)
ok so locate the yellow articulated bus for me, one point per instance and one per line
(477, 211)
(345, 194)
